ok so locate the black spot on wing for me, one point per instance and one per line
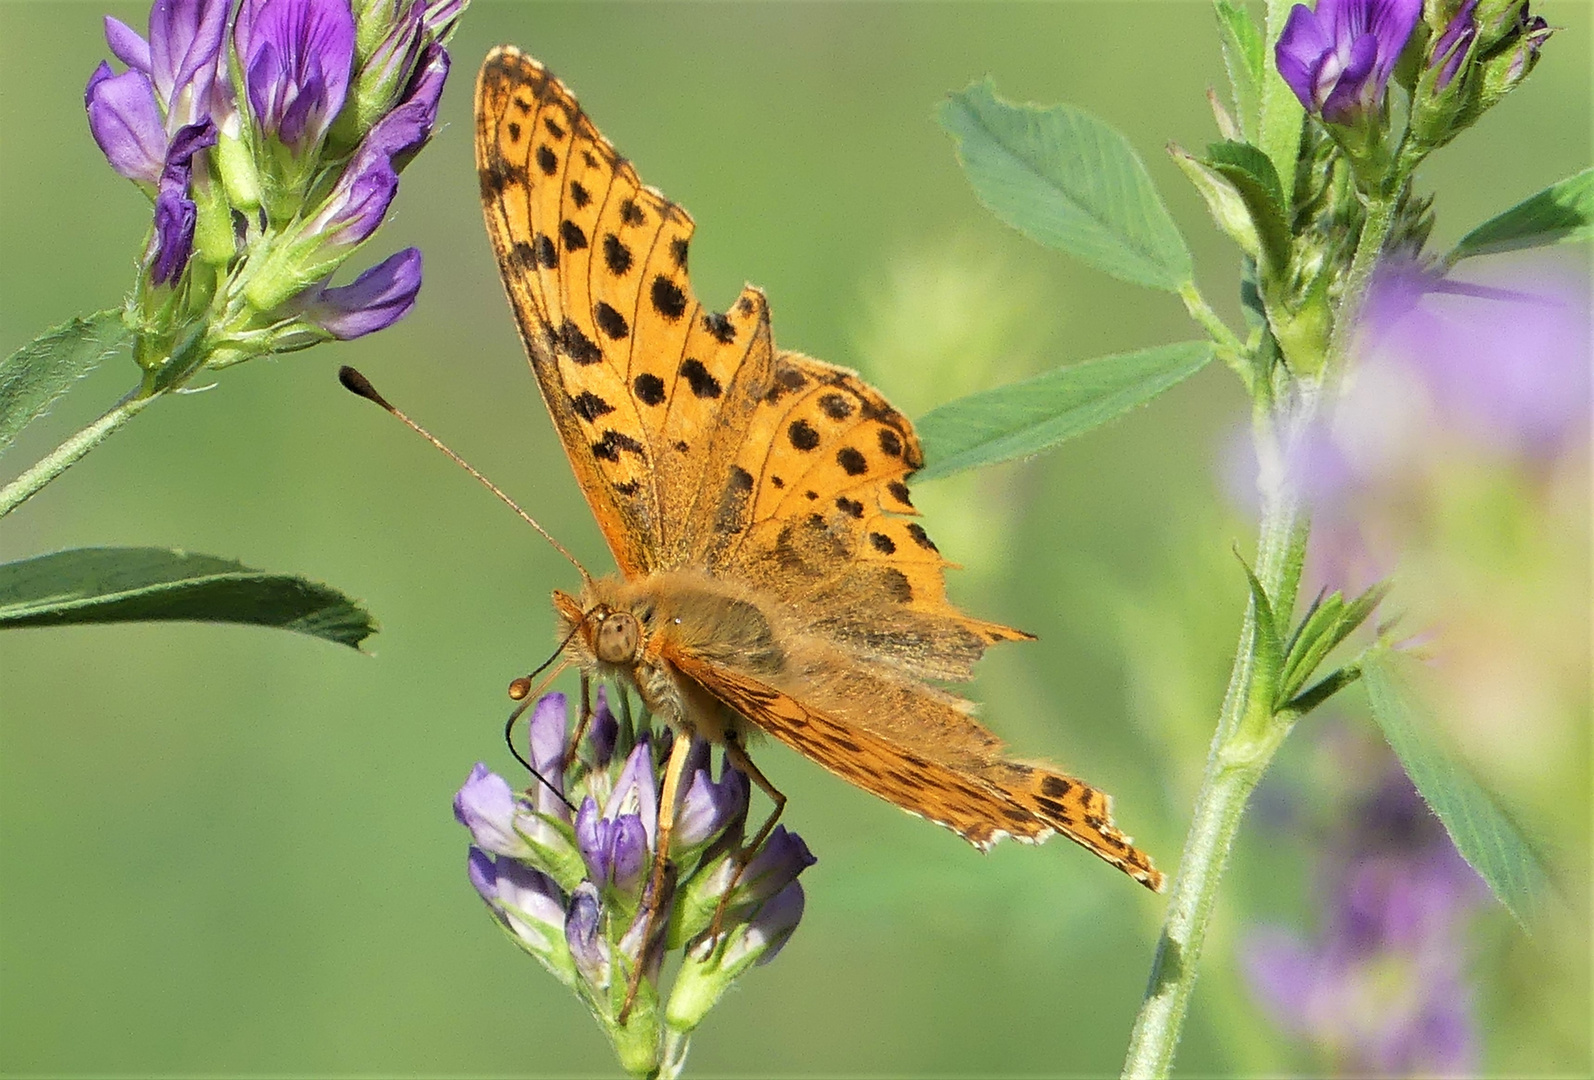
(698, 377)
(579, 194)
(616, 256)
(590, 406)
(721, 327)
(649, 388)
(920, 537)
(577, 345)
(851, 507)
(553, 127)
(610, 445)
(514, 131)
(851, 461)
(632, 214)
(572, 235)
(524, 255)
(678, 252)
(732, 513)
(668, 299)
(835, 406)
(802, 435)
(610, 321)
(899, 492)
(547, 161)
(547, 254)
(882, 543)
(890, 442)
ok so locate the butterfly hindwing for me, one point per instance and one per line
(978, 795)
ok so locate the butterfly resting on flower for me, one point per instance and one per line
(755, 500)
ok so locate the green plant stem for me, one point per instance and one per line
(64, 456)
(1230, 349)
(1235, 764)
(1369, 246)
(673, 1059)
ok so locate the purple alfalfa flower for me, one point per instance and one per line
(126, 122)
(707, 806)
(360, 199)
(297, 59)
(375, 300)
(175, 213)
(525, 900)
(486, 806)
(1451, 47)
(777, 864)
(180, 58)
(771, 926)
(1338, 58)
(584, 936)
(615, 849)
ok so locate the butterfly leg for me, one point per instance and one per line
(673, 769)
(584, 719)
(738, 757)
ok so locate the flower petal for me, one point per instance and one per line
(375, 300)
(127, 44)
(126, 123)
(485, 805)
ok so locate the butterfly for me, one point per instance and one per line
(771, 577)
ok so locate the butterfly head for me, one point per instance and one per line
(601, 629)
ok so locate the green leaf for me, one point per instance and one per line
(1483, 833)
(42, 370)
(1067, 180)
(1024, 418)
(1242, 191)
(105, 585)
(1269, 654)
(1561, 213)
(1244, 57)
(1329, 621)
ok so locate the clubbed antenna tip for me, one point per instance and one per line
(355, 383)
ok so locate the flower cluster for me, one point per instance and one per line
(572, 889)
(1339, 59)
(1383, 989)
(270, 138)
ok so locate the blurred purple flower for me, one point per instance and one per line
(1503, 358)
(297, 58)
(375, 300)
(1338, 58)
(1383, 989)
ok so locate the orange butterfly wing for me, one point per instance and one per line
(981, 800)
(630, 365)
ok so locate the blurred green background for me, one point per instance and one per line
(227, 850)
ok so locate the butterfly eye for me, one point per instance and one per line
(619, 637)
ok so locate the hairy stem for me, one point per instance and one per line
(1235, 764)
(64, 456)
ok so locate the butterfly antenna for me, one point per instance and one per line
(520, 690)
(358, 384)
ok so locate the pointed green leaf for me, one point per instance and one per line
(1243, 56)
(42, 370)
(1560, 213)
(1024, 418)
(1322, 690)
(1067, 180)
(1330, 621)
(104, 585)
(1269, 648)
(1483, 832)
